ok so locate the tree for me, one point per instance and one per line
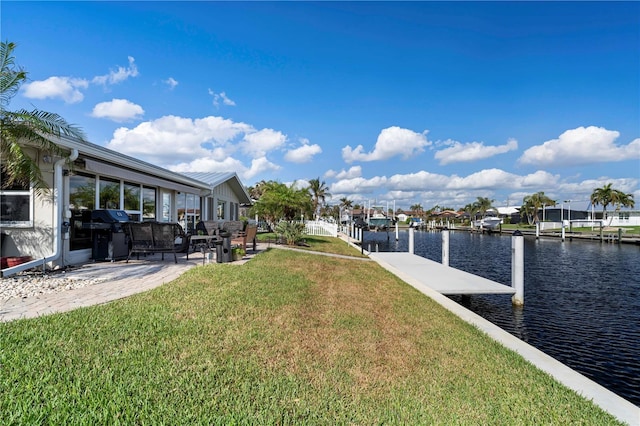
(21, 127)
(281, 202)
(484, 204)
(417, 209)
(319, 192)
(471, 210)
(255, 192)
(531, 204)
(607, 195)
(345, 203)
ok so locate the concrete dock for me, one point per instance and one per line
(443, 279)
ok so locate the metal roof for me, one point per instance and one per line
(214, 179)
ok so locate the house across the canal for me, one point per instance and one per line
(51, 228)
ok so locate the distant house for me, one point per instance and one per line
(52, 229)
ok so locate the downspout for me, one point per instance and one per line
(57, 208)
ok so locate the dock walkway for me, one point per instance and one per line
(443, 279)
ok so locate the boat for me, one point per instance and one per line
(490, 223)
(379, 221)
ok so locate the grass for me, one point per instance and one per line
(320, 244)
(288, 338)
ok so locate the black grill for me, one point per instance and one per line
(109, 239)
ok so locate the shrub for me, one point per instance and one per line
(290, 231)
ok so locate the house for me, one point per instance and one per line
(52, 229)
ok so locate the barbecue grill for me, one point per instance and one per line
(110, 242)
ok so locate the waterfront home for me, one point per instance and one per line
(52, 229)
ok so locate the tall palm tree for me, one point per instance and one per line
(319, 192)
(17, 128)
(608, 195)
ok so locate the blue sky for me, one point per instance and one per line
(434, 103)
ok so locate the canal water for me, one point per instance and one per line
(582, 298)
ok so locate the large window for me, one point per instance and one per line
(148, 203)
(15, 204)
(131, 196)
(109, 194)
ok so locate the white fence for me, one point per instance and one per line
(321, 228)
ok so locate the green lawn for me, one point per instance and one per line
(288, 338)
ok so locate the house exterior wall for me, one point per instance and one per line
(37, 239)
(223, 195)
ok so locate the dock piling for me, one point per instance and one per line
(411, 240)
(517, 268)
(445, 246)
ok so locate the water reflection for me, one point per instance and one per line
(582, 299)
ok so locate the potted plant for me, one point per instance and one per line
(238, 253)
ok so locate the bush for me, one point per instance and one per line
(290, 231)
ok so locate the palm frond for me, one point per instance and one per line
(11, 78)
(49, 123)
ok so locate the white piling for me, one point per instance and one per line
(563, 232)
(517, 268)
(397, 231)
(445, 247)
(411, 240)
(537, 230)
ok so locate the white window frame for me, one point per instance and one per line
(19, 223)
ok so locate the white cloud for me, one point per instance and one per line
(119, 75)
(171, 139)
(304, 153)
(118, 110)
(171, 82)
(258, 144)
(65, 88)
(358, 185)
(420, 181)
(458, 152)
(222, 96)
(210, 164)
(583, 145)
(353, 172)
(391, 141)
(499, 179)
(259, 165)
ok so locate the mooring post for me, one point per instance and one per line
(601, 238)
(397, 230)
(445, 246)
(411, 240)
(563, 231)
(619, 235)
(537, 230)
(517, 268)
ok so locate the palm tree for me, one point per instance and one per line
(483, 204)
(608, 195)
(17, 128)
(319, 192)
(346, 203)
(417, 208)
(532, 203)
(471, 210)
